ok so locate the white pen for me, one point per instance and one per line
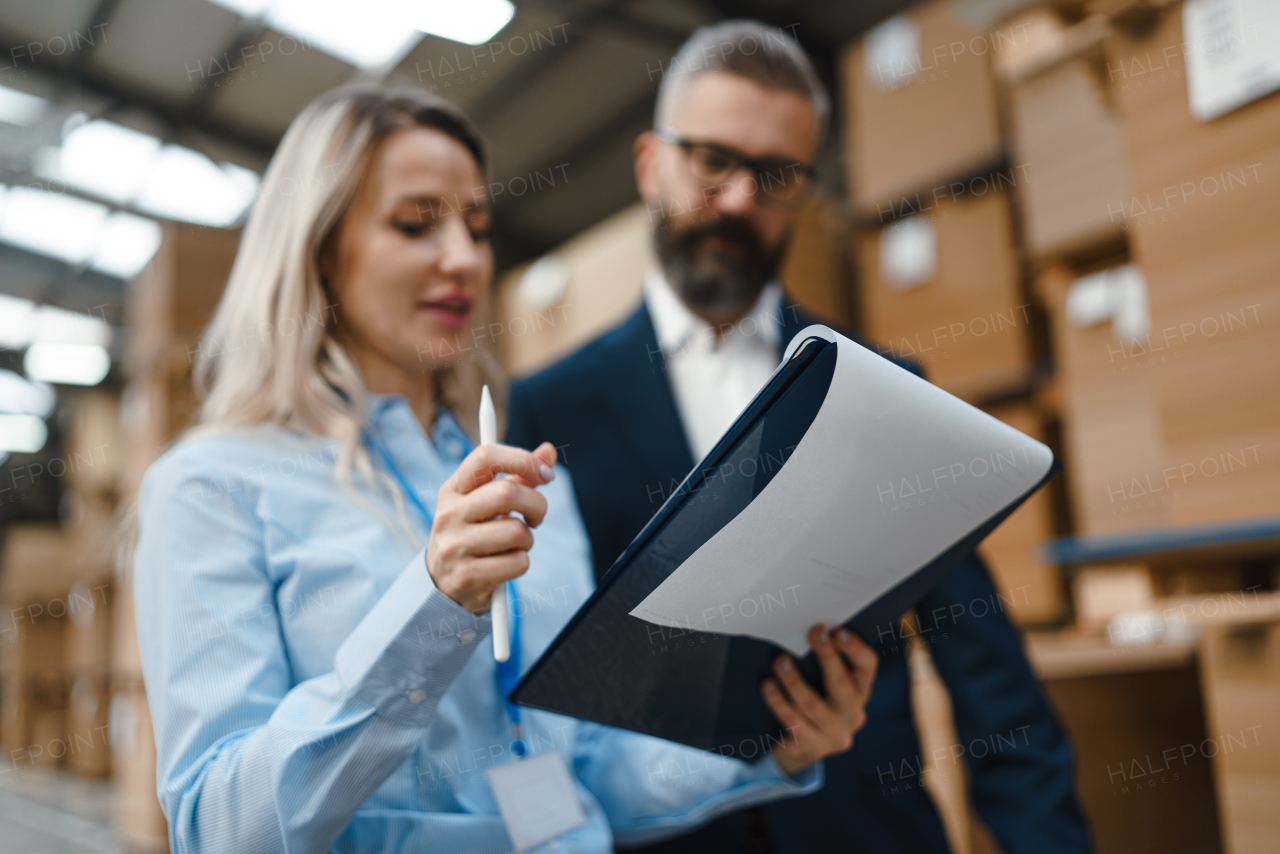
(498, 601)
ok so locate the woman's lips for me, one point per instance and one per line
(451, 312)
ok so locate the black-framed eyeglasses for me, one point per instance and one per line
(777, 178)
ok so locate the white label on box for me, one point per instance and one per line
(891, 55)
(1118, 295)
(909, 253)
(1232, 49)
(536, 798)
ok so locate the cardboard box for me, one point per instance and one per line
(1201, 217)
(938, 123)
(126, 657)
(575, 293)
(37, 568)
(156, 407)
(1101, 592)
(1240, 672)
(1121, 725)
(89, 629)
(1067, 135)
(1112, 431)
(815, 269)
(139, 819)
(968, 324)
(174, 297)
(34, 680)
(1032, 589)
(88, 745)
(93, 525)
(96, 448)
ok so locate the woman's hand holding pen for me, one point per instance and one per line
(470, 551)
(816, 726)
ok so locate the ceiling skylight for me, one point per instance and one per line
(375, 32)
(23, 434)
(107, 159)
(51, 224)
(127, 244)
(186, 185)
(472, 22)
(70, 364)
(16, 322)
(19, 108)
(20, 396)
(23, 323)
(364, 34)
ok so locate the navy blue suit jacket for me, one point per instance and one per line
(610, 411)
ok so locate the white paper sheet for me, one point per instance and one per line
(892, 472)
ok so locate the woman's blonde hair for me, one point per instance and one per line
(270, 354)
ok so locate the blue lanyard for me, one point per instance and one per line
(409, 492)
(507, 673)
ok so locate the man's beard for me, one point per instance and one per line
(712, 282)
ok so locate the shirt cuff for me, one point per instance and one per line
(407, 651)
(805, 781)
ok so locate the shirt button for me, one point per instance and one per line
(416, 696)
(467, 636)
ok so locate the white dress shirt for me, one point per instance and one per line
(713, 377)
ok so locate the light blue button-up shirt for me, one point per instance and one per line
(311, 689)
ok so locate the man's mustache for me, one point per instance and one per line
(726, 228)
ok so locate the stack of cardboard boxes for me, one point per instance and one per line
(167, 309)
(1066, 135)
(941, 276)
(38, 571)
(1201, 217)
(1170, 412)
(58, 593)
(94, 433)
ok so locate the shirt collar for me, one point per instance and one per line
(392, 410)
(677, 327)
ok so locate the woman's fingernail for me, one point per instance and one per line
(547, 472)
(845, 636)
(770, 688)
(785, 666)
(823, 637)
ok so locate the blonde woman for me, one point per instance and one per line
(319, 680)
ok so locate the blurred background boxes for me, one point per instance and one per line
(1112, 432)
(1240, 667)
(1030, 587)
(551, 307)
(1202, 224)
(139, 818)
(966, 321)
(1123, 712)
(1065, 129)
(173, 298)
(920, 106)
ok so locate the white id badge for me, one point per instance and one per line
(536, 798)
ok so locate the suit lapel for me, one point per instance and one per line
(641, 397)
(639, 392)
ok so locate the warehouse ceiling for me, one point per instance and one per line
(561, 91)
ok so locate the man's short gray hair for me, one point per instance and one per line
(765, 55)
